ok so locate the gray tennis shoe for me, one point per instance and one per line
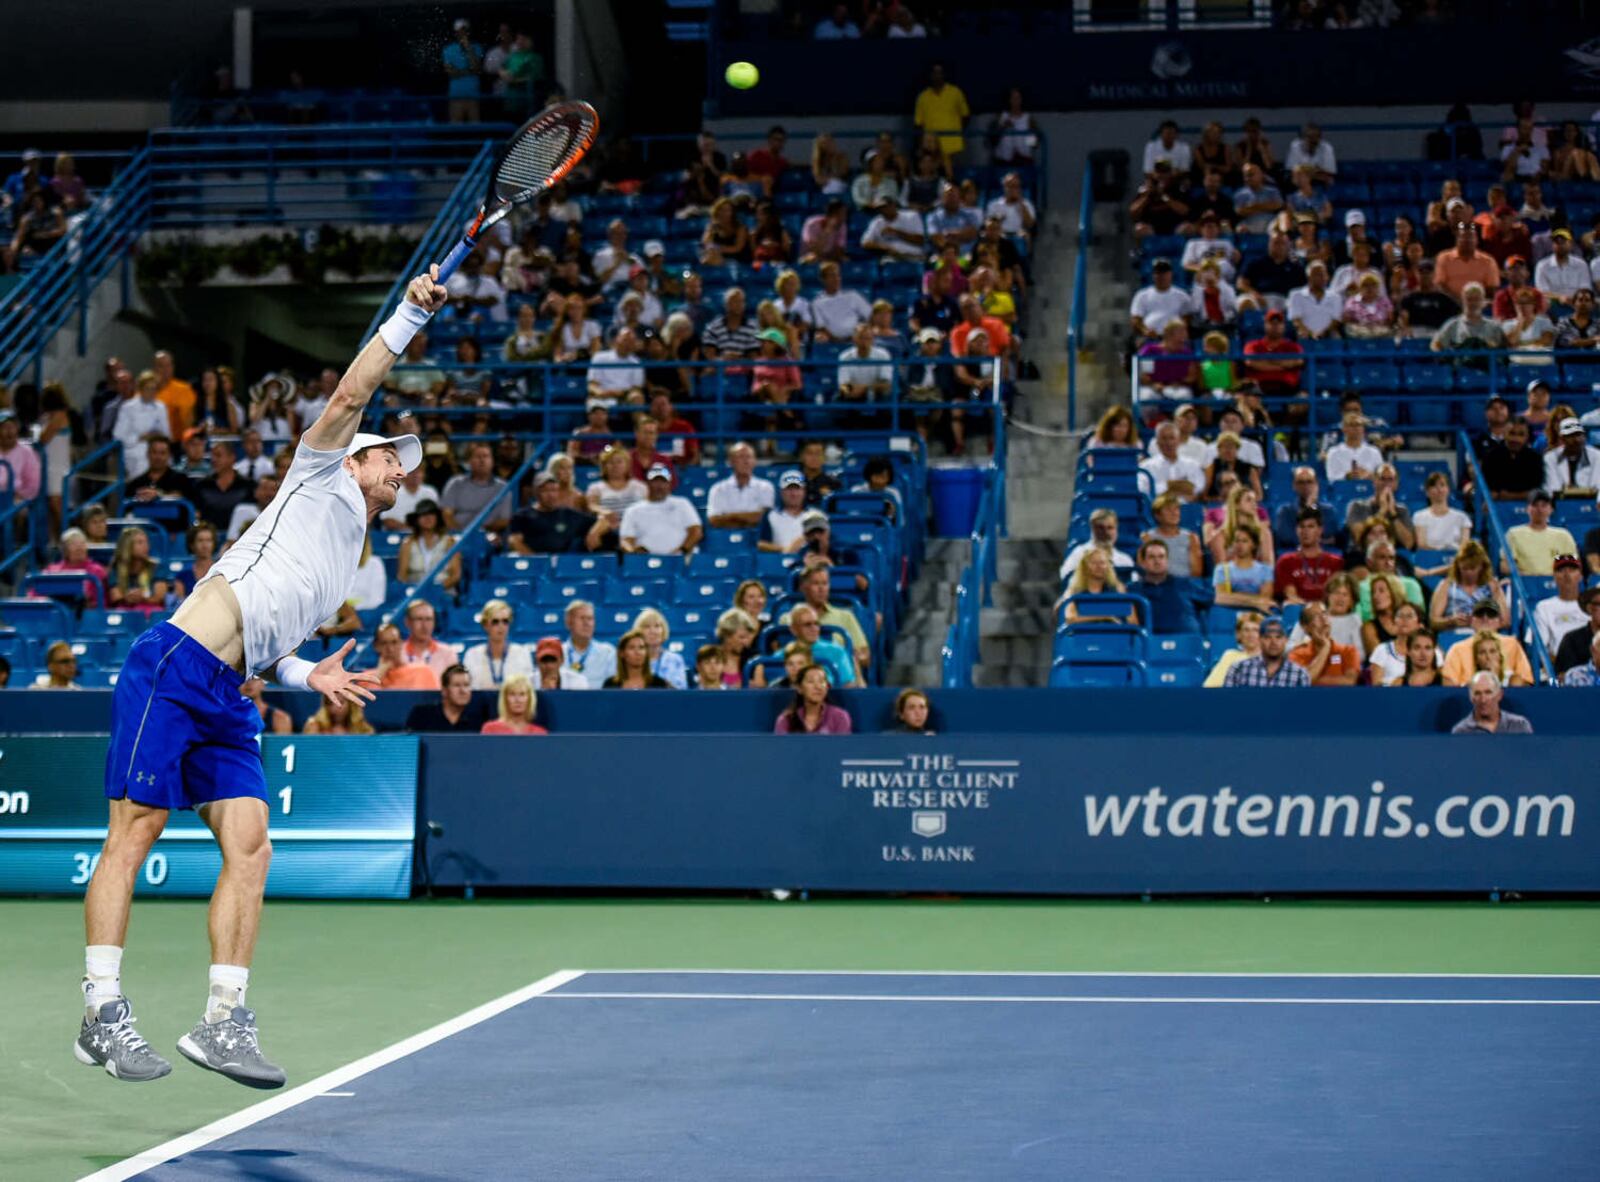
(232, 1048)
(110, 1041)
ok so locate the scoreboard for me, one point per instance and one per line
(343, 819)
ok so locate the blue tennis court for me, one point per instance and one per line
(734, 1075)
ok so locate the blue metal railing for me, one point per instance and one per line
(1521, 603)
(1080, 293)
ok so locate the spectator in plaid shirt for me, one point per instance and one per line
(1586, 675)
(1271, 667)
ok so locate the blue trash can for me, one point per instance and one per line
(955, 493)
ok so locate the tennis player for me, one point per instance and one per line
(183, 736)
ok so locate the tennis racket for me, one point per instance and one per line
(543, 151)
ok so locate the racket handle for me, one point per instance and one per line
(453, 259)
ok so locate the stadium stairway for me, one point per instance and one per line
(915, 660)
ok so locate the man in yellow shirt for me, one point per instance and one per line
(941, 108)
(175, 394)
(1535, 545)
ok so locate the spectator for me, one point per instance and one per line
(662, 523)
(1268, 279)
(837, 26)
(1340, 598)
(517, 703)
(781, 530)
(709, 668)
(911, 710)
(588, 442)
(61, 669)
(1525, 158)
(490, 664)
(793, 307)
(426, 547)
(895, 233)
(1487, 718)
(615, 374)
(1455, 270)
(1471, 331)
(942, 108)
(1381, 558)
(1528, 329)
(1355, 458)
(594, 660)
(393, 670)
(1227, 462)
(1419, 662)
(139, 420)
(1424, 311)
(875, 185)
(1158, 305)
(839, 311)
(1311, 149)
(1325, 661)
(218, 495)
(814, 587)
(412, 492)
(1439, 526)
(1384, 506)
(750, 597)
(1256, 202)
(663, 662)
(1536, 545)
(1369, 313)
(136, 582)
(1513, 469)
(1210, 245)
(1213, 304)
(1159, 207)
(810, 713)
(951, 223)
(1168, 368)
(1585, 675)
(38, 228)
(1269, 668)
(158, 479)
(865, 369)
(454, 713)
(1244, 580)
(1468, 582)
(1382, 599)
(1286, 519)
(742, 499)
(576, 336)
(633, 666)
(474, 293)
(1573, 468)
(1558, 614)
(732, 335)
(273, 720)
(1016, 213)
(553, 673)
(1184, 551)
(1247, 637)
(471, 492)
(420, 647)
(1301, 575)
(463, 62)
(1580, 330)
(553, 528)
(1171, 608)
(1168, 147)
(1575, 645)
(1561, 276)
(338, 717)
(74, 559)
(820, 483)
(1103, 537)
(769, 160)
(736, 636)
(824, 236)
(1308, 199)
(1315, 310)
(1273, 361)
(1170, 471)
(254, 463)
(1465, 656)
(247, 511)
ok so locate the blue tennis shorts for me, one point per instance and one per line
(182, 735)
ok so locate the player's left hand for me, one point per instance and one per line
(426, 291)
(334, 682)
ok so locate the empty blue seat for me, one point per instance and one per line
(517, 592)
(651, 565)
(36, 617)
(704, 592)
(1175, 649)
(1184, 675)
(517, 566)
(1096, 675)
(702, 565)
(729, 541)
(567, 567)
(554, 593)
(638, 592)
(1098, 642)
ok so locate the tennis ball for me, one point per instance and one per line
(742, 75)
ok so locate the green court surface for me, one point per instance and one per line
(336, 981)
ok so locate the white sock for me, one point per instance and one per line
(228, 982)
(102, 970)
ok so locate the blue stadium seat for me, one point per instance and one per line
(704, 593)
(110, 622)
(636, 566)
(516, 593)
(1185, 675)
(638, 592)
(1098, 642)
(721, 566)
(554, 594)
(543, 621)
(17, 647)
(568, 567)
(36, 617)
(1096, 675)
(1176, 649)
(729, 541)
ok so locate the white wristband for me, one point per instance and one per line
(398, 330)
(294, 673)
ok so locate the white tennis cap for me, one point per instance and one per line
(409, 447)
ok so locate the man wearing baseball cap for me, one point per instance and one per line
(783, 528)
(662, 524)
(1270, 668)
(1560, 276)
(1515, 272)
(1536, 545)
(1576, 646)
(1556, 615)
(549, 659)
(1573, 469)
(553, 528)
(1273, 361)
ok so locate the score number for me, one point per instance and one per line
(155, 866)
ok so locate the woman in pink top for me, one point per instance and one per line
(809, 713)
(75, 558)
(517, 703)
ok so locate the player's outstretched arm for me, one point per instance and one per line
(327, 677)
(337, 425)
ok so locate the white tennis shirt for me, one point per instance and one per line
(296, 563)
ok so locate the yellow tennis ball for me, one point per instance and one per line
(742, 75)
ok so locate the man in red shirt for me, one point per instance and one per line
(1325, 660)
(1506, 237)
(644, 454)
(769, 161)
(972, 317)
(1279, 378)
(1301, 574)
(682, 445)
(1516, 276)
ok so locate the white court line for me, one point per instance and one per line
(1091, 973)
(324, 1084)
(1085, 999)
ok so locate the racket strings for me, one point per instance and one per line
(538, 155)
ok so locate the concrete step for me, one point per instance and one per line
(926, 675)
(989, 676)
(1036, 595)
